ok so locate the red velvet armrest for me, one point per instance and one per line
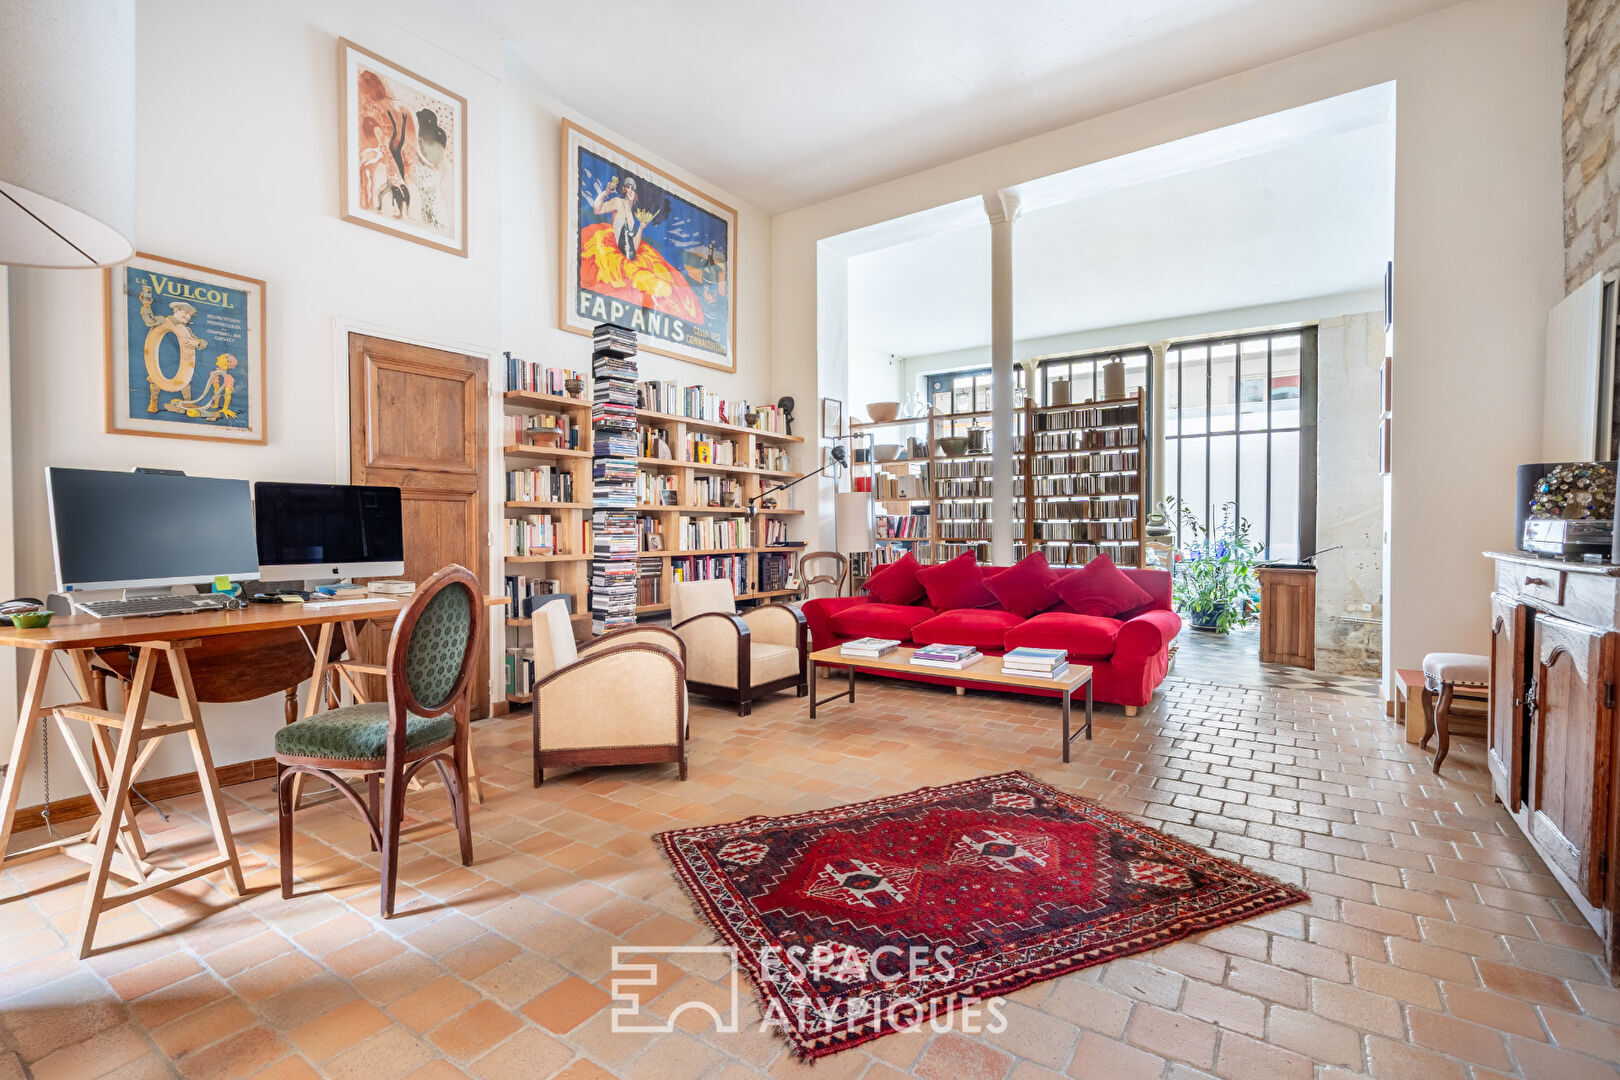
(1146, 635)
(819, 612)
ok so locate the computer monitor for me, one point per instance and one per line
(312, 531)
(126, 530)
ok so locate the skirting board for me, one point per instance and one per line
(164, 787)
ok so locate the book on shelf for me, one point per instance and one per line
(870, 647)
(531, 376)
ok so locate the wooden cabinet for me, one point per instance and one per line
(1571, 704)
(1288, 615)
(1506, 744)
(1553, 740)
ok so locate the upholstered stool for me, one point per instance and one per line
(1448, 674)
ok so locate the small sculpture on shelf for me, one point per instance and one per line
(786, 405)
(575, 387)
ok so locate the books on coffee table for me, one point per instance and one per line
(953, 657)
(1037, 663)
(869, 647)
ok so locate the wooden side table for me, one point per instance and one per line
(1288, 615)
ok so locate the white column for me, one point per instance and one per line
(1001, 207)
(1156, 407)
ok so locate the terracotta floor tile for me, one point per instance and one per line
(468, 1035)
(566, 1005)
(1430, 914)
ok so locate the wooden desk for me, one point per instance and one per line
(117, 846)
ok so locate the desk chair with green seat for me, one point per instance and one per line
(431, 655)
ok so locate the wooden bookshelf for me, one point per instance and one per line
(569, 562)
(697, 483)
(1035, 512)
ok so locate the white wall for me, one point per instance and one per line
(1478, 256)
(913, 368)
(237, 169)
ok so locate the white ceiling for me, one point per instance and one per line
(785, 104)
(1304, 211)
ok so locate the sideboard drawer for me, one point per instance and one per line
(1537, 583)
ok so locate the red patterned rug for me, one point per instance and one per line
(862, 920)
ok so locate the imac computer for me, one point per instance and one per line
(144, 532)
(314, 532)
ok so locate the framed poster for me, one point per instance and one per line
(185, 351)
(643, 250)
(404, 152)
(832, 418)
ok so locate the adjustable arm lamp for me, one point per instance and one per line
(838, 457)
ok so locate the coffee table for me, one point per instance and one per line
(987, 673)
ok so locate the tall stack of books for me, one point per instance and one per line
(1036, 663)
(614, 539)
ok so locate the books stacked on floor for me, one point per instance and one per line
(1036, 663)
(869, 647)
(614, 539)
(952, 657)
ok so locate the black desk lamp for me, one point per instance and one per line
(837, 457)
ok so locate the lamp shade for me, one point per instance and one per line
(854, 524)
(67, 129)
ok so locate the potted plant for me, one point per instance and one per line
(1214, 568)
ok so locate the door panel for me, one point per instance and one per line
(418, 422)
(1506, 736)
(1569, 805)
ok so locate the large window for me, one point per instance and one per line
(1083, 372)
(1240, 427)
(965, 393)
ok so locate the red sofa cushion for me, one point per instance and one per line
(1026, 588)
(1102, 589)
(979, 627)
(1085, 637)
(958, 583)
(878, 620)
(897, 583)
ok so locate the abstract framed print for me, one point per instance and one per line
(647, 252)
(185, 353)
(404, 152)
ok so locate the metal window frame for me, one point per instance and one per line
(1307, 429)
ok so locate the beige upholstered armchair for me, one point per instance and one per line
(619, 699)
(733, 657)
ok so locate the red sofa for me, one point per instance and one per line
(1128, 655)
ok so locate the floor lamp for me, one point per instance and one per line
(854, 527)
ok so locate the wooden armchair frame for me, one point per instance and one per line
(744, 694)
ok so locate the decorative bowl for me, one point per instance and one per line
(31, 620)
(882, 412)
(953, 445)
(548, 437)
(886, 451)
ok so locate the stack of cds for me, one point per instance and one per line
(614, 538)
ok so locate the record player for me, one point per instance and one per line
(1568, 539)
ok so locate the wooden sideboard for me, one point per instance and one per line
(1553, 744)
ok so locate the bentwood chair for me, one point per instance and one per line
(431, 656)
(738, 658)
(618, 699)
(835, 578)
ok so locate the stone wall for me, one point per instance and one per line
(1591, 166)
(1349, 495)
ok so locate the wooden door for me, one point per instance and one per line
(419, 421)
(1506, 738)
(1572, 708)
